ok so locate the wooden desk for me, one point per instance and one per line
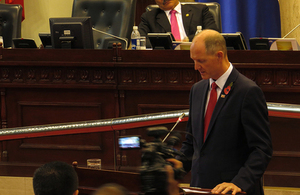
(52, 86)
(57, 86)
(91, 179)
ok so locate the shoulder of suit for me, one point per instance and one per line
(194, 5)
(153, 12)
(156, 10)
(201, 83)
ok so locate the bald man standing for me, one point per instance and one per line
(229, 142)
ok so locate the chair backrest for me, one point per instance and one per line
(115, 17)
(214, 8)
(10, 23)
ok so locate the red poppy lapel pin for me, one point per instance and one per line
(227, 90)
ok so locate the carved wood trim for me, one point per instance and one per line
(3, 109)
(65, 76)
(122, 103)
(60, 147)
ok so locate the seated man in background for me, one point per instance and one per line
(55, 178)
(111, 189)
(188, 17)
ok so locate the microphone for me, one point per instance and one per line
(291, 31)
(113, 36)
(178, 120)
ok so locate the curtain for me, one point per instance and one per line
(253, 18)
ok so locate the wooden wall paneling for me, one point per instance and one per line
(64, 148)
(122, 103)
(3, 116)
(48, 87)
(46, 106)
(283, 169)
(57, 112)
(3, 108)
(163, 87)
(4, 151)
(146, 101)
(153, 108)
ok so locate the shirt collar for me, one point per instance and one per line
(222, 79)
(177, 8)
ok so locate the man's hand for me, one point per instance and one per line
(224, 187)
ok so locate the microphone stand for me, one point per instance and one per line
(291, 31)
(179, 119)
(116, 37)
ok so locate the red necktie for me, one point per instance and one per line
(174, 26)
(210, 107)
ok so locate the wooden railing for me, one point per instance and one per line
(283, 170)
(275, 109)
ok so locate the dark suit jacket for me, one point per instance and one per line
(156, 21)
(238, 145)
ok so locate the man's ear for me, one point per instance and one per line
(76, 192)
(220, 55)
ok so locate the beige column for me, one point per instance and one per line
(290, 18)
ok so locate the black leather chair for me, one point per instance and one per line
(214, 8)
(114, 17)
(10, 23)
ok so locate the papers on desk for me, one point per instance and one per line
(284, 44)
(178, 45)
(196, 190)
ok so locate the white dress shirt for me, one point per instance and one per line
(179, 20)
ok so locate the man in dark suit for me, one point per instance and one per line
(189, 16)
(237, 148)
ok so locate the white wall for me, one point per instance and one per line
(37, 14)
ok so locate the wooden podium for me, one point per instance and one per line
(91, 179)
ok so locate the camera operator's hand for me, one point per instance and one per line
(176, 163)
(173, 185)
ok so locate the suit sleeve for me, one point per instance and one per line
(208, 20)
(255, 123)
(144, 28)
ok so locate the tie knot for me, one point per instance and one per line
(214, 85)
(173, 11)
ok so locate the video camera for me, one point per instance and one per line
(154, 177)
